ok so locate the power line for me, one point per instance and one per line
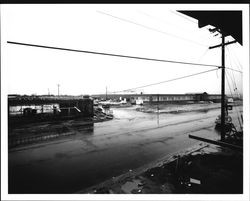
(235, 56)
(235, 59)
(114, 55)
(205, 52)
(233, 80)
(183, 16)
(230, 89)
(229, 56)
(148, 85)
(119, 55)
(232, 97)
(233, 83)
(234, 70)
(163, 20)
(58, 86)
(153, 29)
(176, 25)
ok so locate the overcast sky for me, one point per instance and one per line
(154, 31)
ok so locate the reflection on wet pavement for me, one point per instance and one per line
(87, 157)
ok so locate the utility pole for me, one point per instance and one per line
(158, 109)
(58, 85)
(106, 93)
(223, 105)
(48, 92)
(223, 133)
(158, 103)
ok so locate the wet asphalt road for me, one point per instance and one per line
(111, 148)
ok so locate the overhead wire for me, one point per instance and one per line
(174, 79)
(237, 63)
(237, 112)
(114, 55)
(205, 52)
(235, 89)
(230, 58)
(143, 58)
(233, 78)
(119, 55)
(231, 64)
(234, 84)
(234, 56)
(183, 16)
(176, 25)
(152, 29)
(164, 21)
(234, 70)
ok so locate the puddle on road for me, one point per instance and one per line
(131, 186)
(84, 169)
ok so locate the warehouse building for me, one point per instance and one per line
(167, 98)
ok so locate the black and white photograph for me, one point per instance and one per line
(125, 101)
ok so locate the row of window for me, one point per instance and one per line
(172, 98)
(164, 98)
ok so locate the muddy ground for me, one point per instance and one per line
(206, 170)
(70, 156)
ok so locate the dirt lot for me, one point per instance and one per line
(207, 170)
(70, 156)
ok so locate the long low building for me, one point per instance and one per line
(154, 98)
(32, 105)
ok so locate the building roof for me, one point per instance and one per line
(230, 22)
(96, 95)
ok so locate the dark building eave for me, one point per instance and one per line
(230, 22)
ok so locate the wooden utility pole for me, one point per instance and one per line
(106, 93)
(223, 133)
(158, 103)
(158, 109)
(223, 104)
(58, 85)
